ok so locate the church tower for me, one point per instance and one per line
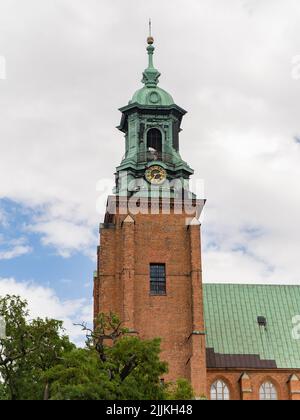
(149, 259)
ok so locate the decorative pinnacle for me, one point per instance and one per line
(151, 75)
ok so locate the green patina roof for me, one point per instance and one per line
(152, 96)
(231, 313)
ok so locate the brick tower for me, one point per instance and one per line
(149, 259)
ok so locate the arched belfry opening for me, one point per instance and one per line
(154, 140)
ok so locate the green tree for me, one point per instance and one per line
(79, 377)
(3, 392)
(181, 390)
(115, 366)
(29, 349)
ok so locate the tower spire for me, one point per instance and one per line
(150, 75)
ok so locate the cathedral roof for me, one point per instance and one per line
(252, 326)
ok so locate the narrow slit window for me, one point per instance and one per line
(158, 279)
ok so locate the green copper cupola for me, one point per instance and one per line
(151, 123)
(151, 94)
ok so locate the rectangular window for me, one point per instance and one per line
(158, 279)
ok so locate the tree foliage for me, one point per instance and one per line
(28, 349)
(122, 366)
(181, 390)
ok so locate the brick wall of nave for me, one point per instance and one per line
(248, 389)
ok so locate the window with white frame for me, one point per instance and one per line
(268, 392)
(219, 391)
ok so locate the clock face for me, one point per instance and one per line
(156, 175)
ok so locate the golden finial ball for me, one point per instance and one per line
(150, 40)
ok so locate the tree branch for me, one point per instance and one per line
(129, 367)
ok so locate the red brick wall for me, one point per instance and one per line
(124, 287)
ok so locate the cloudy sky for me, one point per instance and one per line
(70, 64)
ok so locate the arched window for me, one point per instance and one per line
(219, 391)
(268, 392)
(154, 140)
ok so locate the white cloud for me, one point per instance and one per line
(228, 63)
(3, 218)
(234, 267)
(15, 252)
(13, 248)
(66, 237)
(44, 303)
